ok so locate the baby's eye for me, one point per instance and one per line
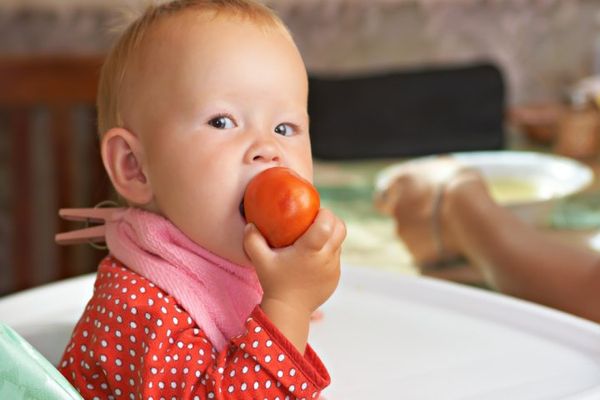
(222, 122)
(284, 129)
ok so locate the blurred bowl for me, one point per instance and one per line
(526, 182)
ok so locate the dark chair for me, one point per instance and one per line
(407, 113)
(59, 92)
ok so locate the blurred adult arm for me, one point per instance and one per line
(513, 256)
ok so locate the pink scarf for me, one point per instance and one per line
(218, 295)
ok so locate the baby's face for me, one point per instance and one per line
(217, 101)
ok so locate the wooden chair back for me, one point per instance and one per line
(57, 88)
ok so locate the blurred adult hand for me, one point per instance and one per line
(416, 199)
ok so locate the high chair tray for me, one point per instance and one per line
(385, 335)
(390, 336)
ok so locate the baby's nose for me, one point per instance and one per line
(264, 150)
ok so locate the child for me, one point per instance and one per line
(195, 99)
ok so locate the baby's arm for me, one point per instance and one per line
(135, 341)
(297, 279)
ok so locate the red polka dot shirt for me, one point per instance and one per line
(134, 342)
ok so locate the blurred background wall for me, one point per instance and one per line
(542, 47)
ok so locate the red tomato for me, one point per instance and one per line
(281, 204)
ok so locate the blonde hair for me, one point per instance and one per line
(115, 69)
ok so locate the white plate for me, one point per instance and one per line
(387, 336)
(516, 177)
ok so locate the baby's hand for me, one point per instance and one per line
(298, 278)
(304, 274)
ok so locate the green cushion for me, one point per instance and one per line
(26, 374)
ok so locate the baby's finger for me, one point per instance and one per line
(256, 246)
(319, 232)
(339, 234)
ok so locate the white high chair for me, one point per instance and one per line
(384, 335)
(35, 326)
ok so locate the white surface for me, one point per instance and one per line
(552, 176)
(386, 335)
(390, 336)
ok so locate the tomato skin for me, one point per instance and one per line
(281, 204)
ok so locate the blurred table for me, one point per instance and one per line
(347, 188)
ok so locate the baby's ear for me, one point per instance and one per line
(122, 155)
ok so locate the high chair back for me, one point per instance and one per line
(47, 123)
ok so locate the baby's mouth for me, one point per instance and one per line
(242, 212)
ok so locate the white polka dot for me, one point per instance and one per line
(280, 374)
(292, 372)
(267, 358)
(133, 325)
(118, 378)
(243, 386)
(269, 343)
(245, 369)
(280, 358)
(173, 370)
(150, 302)
(173, 384)
(255, 344)
(257, 368)
(256, 385)
(175, 320)
(159, 322)
(230, 389)
(267, 384)
(118, 362)
(257, 329)
(304, 385)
